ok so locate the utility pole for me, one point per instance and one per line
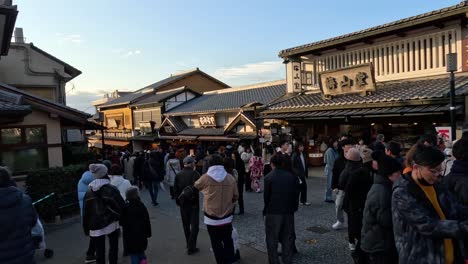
(452, 67)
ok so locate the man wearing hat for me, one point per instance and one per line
(377, 229)
(187, 198)
(102, 208)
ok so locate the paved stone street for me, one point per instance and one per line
(316, 241)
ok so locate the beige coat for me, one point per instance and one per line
(218, 197)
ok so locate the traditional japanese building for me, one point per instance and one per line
(124, 115)
(389, 79)
(226, 115)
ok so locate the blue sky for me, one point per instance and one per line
(126, 45)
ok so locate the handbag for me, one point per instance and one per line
(187, 193)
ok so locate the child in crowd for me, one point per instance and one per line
(136, 226)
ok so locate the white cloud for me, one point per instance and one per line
(125, 53)
(70, 38)
(252, 72)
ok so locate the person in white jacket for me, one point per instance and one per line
(116, 179)
(172, 169)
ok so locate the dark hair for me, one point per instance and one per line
(216, 160)
(5, 177)
(171, 155)
(345, 142)
(211, 150)
(282, 142)
(132, 194)
(430, 138)
(394, 147)
(278, 161)
(460, 149)
(115, 170)
(331, 141)
(428, 156)
(228, 165)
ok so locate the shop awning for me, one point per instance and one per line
(98, 143)
(179, 137)
(363, 112)
(217, 138)
(148, 138)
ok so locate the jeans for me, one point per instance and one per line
(153, 188)
(137, 258)
(279, 229)
(221, 242)
(100, 243)
(190, 221)
(339, 206)
(329, 175)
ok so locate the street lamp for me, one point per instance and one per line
(452, 67)
(8, 14)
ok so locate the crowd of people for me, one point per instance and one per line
(397, 210)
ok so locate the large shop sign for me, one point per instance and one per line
(357, 79)
(207, 120)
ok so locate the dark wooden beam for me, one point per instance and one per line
(341, 48)
(439, 25)
(317, 53)
(401, 34)
(369, 41)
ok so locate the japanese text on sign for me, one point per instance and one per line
(208, 120)
(358, 79)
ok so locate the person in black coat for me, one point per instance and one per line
(357, 181)
(189, 206)
(17, 218)
(280, 203)
(300, 167)
(457, 179)
(377, 228)
(136, 226)
(240, 168)
(138, 166)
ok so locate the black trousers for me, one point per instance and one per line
(190, 222)
(303, 191)
(279, 229)
(382, 257)
(91, 248)
(221, 242)
(100, 243)
(171, 191)
(240, 189)
(248, 182)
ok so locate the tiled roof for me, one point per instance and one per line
(133, 97)
(385, 92)
(436, 14)
(159, 96)
(9, 108)
(231, 98)
(202, 132)
(177, 122)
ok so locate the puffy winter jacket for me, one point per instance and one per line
(121, 184)
(17, 218)
(419, 231)
(457, 183)
(377, 227)
(83, 183)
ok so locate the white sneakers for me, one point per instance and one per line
(306, 204)
(338, 225)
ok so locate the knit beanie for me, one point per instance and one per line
(388, 165)
(353, 154)
(98, 170)
(366, 155)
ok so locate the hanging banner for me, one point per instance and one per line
(445, 133)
